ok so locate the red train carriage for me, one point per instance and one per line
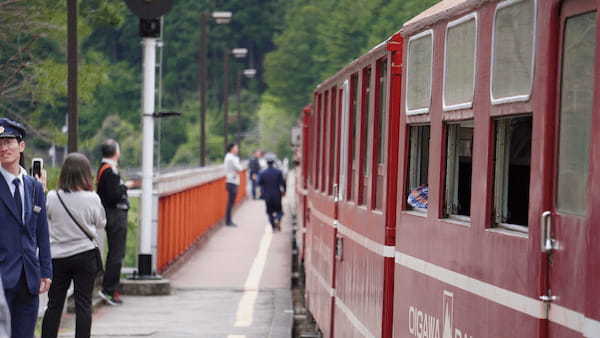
(471, 168)
(496, 122)
(349, 251)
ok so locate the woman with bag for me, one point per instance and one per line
(75, 216)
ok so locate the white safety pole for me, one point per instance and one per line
(145, 253)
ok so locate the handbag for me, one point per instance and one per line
(90, 237)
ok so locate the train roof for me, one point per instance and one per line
(355, 63)
(443, 10)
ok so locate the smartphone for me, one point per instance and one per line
(37, 164)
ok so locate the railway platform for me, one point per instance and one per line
(236, 284)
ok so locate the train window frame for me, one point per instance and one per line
(418, 36)
(451, 160)
(380, 117)
(522, 97)
(411, 173)
(500, 163)
(366, 133)
(353, 115)
(466, 18)
(333, 137)
(345, 134)
(564, 140)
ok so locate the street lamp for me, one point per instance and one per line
(249, 73)
(220, 18)
(238, 53)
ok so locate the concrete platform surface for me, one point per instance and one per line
(236, 285)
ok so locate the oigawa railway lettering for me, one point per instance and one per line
(425, 325)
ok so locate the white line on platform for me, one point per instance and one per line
(245, 310)
(236, 336)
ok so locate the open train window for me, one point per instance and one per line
(459, 75)
(418, 165)
(365, 150)
(333, 137)
(380, 130)
(512, 166)
(459, 162)
(353, 142)
(419, 68)
(576, 106)
(512, 60)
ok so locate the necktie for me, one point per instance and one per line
(18, 200)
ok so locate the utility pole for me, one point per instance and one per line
(203, 84)
(150, 31)
(73, 122)
(225, 97)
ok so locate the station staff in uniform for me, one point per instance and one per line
(273, 188)
(25, 263)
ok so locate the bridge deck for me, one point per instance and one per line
(236, 285)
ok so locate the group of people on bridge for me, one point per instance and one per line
(265, 175)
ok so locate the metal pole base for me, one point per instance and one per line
(145, 268)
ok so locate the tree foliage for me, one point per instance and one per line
(320, 37)
(293, 45)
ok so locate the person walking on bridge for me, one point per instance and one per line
(232, 169)
(273, 189)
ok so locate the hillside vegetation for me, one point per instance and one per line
(294, 44)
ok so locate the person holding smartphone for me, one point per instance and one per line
(25, 263)
(75, 216)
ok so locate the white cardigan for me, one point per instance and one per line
(66, 238)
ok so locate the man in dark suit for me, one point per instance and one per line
(25, 262)
(273, 188)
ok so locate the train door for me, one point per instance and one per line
(567, 229)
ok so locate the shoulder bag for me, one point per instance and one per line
(90, 237)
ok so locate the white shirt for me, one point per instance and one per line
(9, 177)
(232, 166)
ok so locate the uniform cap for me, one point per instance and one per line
(270, 157)
(11, 129)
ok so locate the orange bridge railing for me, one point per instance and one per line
(190, 203)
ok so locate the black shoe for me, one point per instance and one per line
(231, 224)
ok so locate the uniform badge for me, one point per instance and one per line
(37, 209)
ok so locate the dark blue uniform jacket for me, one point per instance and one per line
(19, 242)
(271, 183)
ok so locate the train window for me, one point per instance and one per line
(512, 63)
(333, 153)
(353, 142)
(459, 162)
(318, 143)
(325, 142)
(418, 166)
(344, 104)
(511, 171)
(420, 58)
(365, 150)
(459, 79)
(381, 121)
(576, 112)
